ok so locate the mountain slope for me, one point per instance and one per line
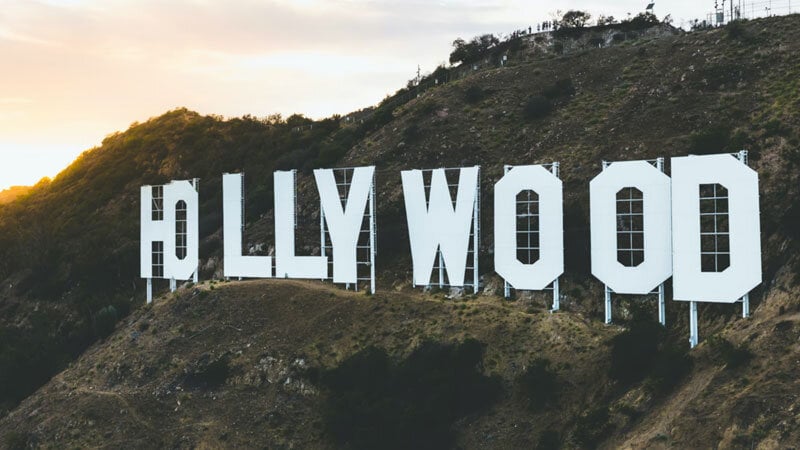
(68, 250)
(232, 365)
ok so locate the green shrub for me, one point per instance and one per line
(537, 107)
(105, 320)
(633, 351)
(561, 88)
(670, 367)
(776, 128)
(372, 402)
(593, 427)
(644, 352)
(425, 108)
(732, 355)
(549, 440)
(710, 141)
(411, 133)
(474, 94)
(596, 42)
(16, 440)
(737, 31)
(538, 385)
(209, 374)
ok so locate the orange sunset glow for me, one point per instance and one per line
(75, 71)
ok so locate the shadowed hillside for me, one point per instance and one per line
(69, 251)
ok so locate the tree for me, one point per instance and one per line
(643, 20)
(574, 19)
(467, 52)
(606, 20)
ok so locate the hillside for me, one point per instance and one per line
(12, 193)
(69, 250)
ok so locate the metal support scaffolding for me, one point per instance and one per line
(556, 291)
(742, 155)
(366, 246)
(662, 312)
(373, 234)
(532, 247)
(196, 276)
(475, 236)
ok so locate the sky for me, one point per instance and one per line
(75, 71)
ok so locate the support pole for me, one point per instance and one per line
(693, 334)
(556, 289)
(506, 284)
(743, 157)
(606, 290)
(372, 232)
(149, 290)
(441, 270)
(476, 235)
(173, 285)
(322, 234)
(662, 303)
(556, 296)
(196, 276)
(746, 306)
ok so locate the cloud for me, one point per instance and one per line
(76, 70)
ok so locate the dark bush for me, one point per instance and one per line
(734, 356)
(633, 351)
(208, 374)
(776, 128)
(549, 440)
(16, 440)
(710, 141)
(670, 367)
(381, 116)
(643, 351)
(596, 42)
(468, 52)
(641, 21)
(411, 133)
(538, 385)
(561, 88)
(30, 356)
(474, 94)
(537, 107)
(593, 427)
(372, 402)
(105, 320)
(737, 31)
(425, 108)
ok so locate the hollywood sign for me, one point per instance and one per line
(700, 226)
